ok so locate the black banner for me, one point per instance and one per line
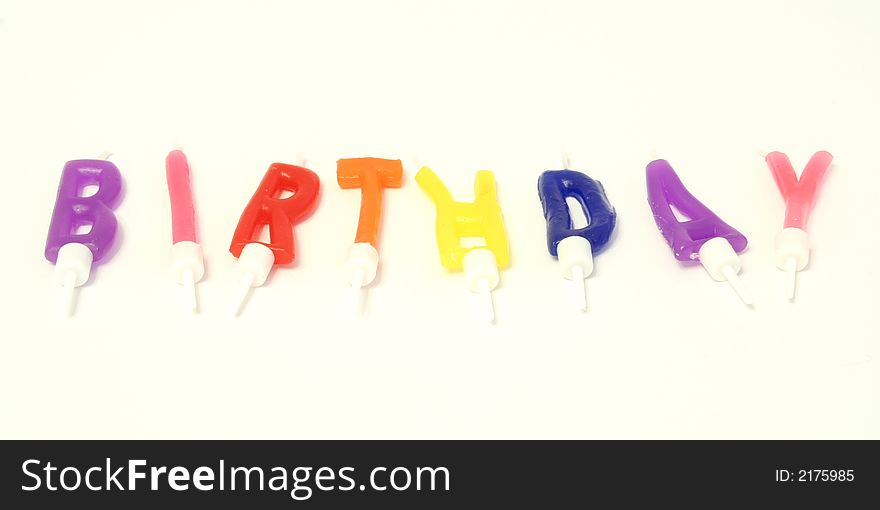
(437, 474)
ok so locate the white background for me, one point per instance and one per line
(663, 352)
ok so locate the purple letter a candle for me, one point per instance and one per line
(702, 235)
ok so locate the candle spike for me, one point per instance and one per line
(487, 304)
(241, 295)
(69, 294)
(791, 274)
(357, 289)
(737, 285)
(580, 287)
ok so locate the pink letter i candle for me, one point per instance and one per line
(187, 262)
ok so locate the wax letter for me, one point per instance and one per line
(799, 194)
(280, 214)
(553, 188)
(371, 175)
(457, 220)
(73, 210)
(666, 190)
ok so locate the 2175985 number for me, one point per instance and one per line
(826, 475)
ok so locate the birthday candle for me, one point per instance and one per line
(793, 243)
(580, 220)
(73, 252)
(279, 215)
(371, 175)
(478, 219)
(187, 262)
(703, 236)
